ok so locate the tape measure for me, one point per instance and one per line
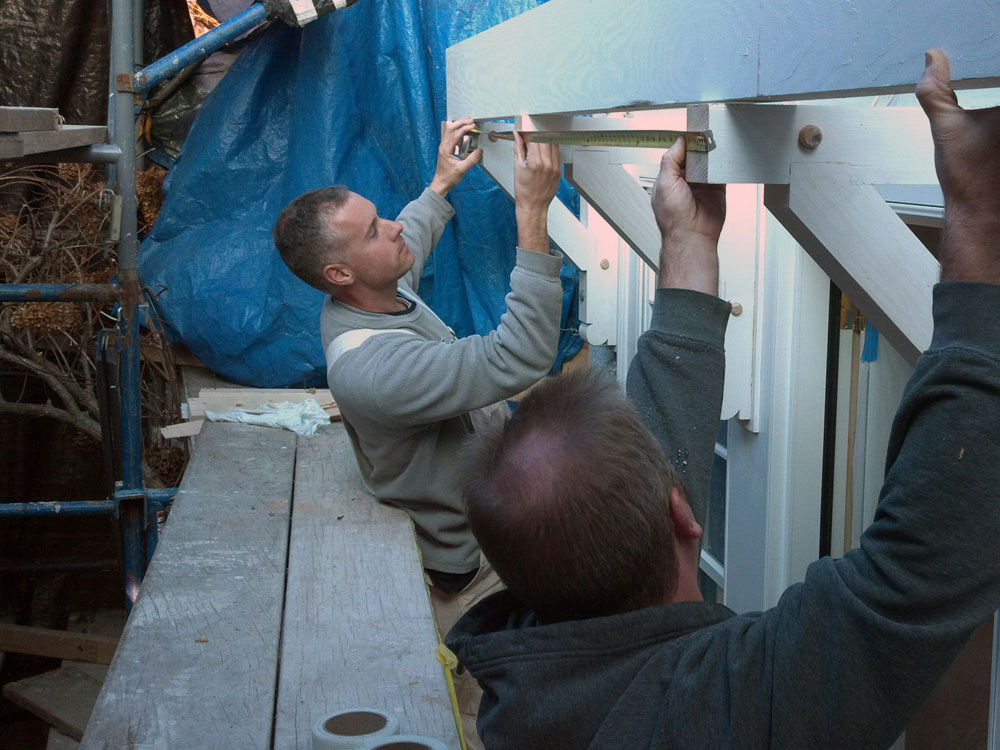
(697, 140)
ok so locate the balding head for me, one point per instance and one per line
(570, 502)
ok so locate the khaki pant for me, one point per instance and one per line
(447, 609)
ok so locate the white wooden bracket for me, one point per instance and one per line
(565, 230)
(592, 246)
(760, 142)
(864, 247)
(619, 198)
(824, 196)
(616, 204)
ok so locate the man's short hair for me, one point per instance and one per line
(304, 237)
(570, 502)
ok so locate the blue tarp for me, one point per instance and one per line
(355, 97)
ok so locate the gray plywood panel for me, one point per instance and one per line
(358, 629)
(196, 666)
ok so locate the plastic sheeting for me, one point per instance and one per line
(54, 53)
(356, 97)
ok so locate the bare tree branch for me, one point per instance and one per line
(78, 420)
(44, 370)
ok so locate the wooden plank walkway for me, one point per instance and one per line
(358, 627)
(199, 664)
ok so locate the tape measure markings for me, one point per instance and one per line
(697, 140)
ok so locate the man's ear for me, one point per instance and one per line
(685, 527)
(338, 274)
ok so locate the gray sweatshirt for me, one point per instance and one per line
(846, 656)
(411, 396)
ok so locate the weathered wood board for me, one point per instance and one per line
(16, 119)
(58, 644)
(62, 698)
(182, 429)
(197, 663)
(571, 56)
(224, 399)
(13, 145)
(358, 629)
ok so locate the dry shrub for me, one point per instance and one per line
(53, 222)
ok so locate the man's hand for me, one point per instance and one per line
(450, 169)
(690, 218)
(967, 157)
(537, 169)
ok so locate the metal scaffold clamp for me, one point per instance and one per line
(300, 12)
(295, 13)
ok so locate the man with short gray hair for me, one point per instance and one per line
(409, 390)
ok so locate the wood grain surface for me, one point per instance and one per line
(358, 629)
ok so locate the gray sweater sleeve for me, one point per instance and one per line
(676, 380)
(404, 380)
(423, 220)
(851, 652)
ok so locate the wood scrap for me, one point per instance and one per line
(63, 698)
(58, 644)
(104, 622)
(182, 429)
(224, 399)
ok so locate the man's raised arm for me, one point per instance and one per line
(676, 378)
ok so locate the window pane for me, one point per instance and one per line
(715, 521)
(710, 590)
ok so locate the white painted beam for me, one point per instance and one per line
(598, 293)
(738, 272)
(758, 143)
(662, 119)
(620, 199)
(565, 230)
(569, 56)
(862, 245)
(615, 194)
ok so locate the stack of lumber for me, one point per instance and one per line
(64, 698)
(35, 130)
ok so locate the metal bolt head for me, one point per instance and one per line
(737, 309)
(810, 137)
(605, 264)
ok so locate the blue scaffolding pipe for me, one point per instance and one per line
(200, 48)
(136, 508)
(160, 497)
(59, 292)
(68, 508)
(157, 500)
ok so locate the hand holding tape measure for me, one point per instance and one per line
(696, 140)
